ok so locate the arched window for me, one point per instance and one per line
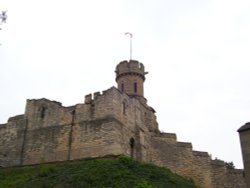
(132, 147)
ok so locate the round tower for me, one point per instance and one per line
(244, 132)
(130, 77)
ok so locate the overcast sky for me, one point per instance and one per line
(197, 53)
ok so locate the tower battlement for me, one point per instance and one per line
(131, 67)
(130, 76)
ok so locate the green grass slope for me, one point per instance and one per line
(121, 172)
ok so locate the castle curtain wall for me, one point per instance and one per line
(11, 141)
(107, 123)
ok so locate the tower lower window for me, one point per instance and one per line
(124, 107)
(135, 87)
(122, 87)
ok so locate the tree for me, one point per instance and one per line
(230, 165)
(3, 17)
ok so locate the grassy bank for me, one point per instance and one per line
(121, 172)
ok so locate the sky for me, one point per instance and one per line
(197, 54)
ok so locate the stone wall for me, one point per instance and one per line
(107, 123)
(244, 132)
(47, 133)
(103, 125)
(222, 176)
(11, 141)
(95, 138)
(182, 159)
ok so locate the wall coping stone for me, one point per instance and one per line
(200, 153)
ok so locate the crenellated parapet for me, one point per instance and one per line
(131, 67)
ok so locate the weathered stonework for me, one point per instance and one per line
(244, 132)
(113, 122)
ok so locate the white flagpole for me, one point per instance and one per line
(131, 36)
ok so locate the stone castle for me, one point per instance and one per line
(117, 121)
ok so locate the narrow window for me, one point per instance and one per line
(43, 111)
(132, 145)
(135, 87)
(124, 108)
(73, 116)
(122, 87)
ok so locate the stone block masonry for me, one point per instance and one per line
(182, 159)
(103, 125)
(12, 137)
(244, 132)
(110, 123)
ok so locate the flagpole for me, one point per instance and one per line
(131, 36)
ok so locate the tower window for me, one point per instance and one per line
(124, 107)
(122, 87)
(135, 87)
